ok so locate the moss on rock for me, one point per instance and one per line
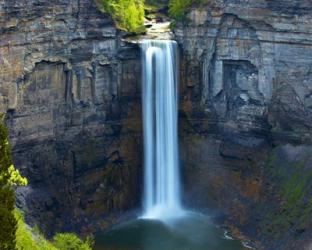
(291, 174)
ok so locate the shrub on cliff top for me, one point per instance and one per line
(179, 8)
(128, 14)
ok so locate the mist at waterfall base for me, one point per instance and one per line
(164, 224)
(190, 232)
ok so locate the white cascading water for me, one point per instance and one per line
(160, 113)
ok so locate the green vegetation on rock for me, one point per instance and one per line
(27, 239)
(179, 8)
(128, 14)
(30, 239)
(69, 241)
(9, 177)
(292, 180)
(14, 233)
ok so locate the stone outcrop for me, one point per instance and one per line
(71, 90)
(246, 89)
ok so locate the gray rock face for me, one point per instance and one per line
(71, 90)
(243, 57)
(245, 88)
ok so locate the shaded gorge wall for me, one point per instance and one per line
(71, 91)
(245, 94)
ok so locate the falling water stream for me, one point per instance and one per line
(160, 108)
(164, 225)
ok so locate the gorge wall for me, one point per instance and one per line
(246, 112)
(71, 90)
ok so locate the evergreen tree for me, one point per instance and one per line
(8, 223)
(8, 178)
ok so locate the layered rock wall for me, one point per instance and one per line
(246, 88)
(70, 87)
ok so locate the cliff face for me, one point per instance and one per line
(70, 88)
(246, 107)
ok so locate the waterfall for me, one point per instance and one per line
(160, 112)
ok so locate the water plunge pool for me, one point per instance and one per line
(190, 232)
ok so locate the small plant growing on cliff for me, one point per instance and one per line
(8, 178)
(128, 14)
(179, 8)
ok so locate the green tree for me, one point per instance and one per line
(8, 178)
(128, 14)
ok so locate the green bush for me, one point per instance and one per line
(29, 239)
(128, 14)
(26, 239)
(179, 8)
(69, 241)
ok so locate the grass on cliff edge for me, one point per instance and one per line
(30, 239)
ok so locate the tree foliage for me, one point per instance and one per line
(69, 241)
(7, 220)
(14, 233)
(9, 177)
(128, 14)
(25, 239)
(29, 239)
(179, 8)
